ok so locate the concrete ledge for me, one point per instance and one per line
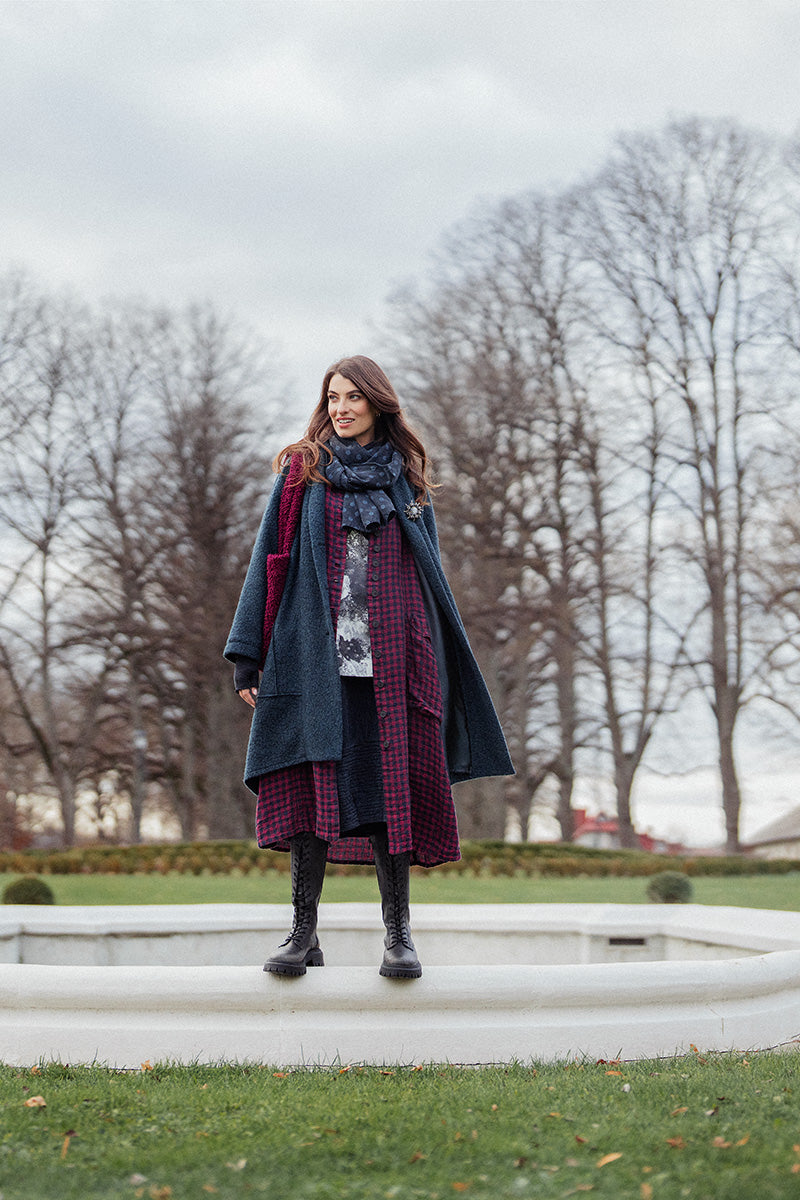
(122, 1016)
(729, 979)
(446, 934)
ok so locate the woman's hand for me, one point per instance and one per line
(245, 679)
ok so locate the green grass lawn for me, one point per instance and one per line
(722, 1127)
(430, 887)
(725, 1128)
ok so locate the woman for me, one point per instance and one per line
(369, 701)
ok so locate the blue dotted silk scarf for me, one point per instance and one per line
(362, 472)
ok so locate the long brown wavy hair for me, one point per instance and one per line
(372, 382)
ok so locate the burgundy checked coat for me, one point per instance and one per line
(419, 806)
(422, 660)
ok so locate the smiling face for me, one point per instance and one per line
(351, 413)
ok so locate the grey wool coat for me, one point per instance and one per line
(298, 714)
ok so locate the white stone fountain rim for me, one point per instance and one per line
(464, 1012)
(751, 929)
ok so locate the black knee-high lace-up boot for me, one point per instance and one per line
(301, 949)
(399, 957)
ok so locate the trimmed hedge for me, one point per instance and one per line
(29, 890)
(670, 887)
(478, 858)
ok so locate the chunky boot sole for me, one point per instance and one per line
(400, 972)
(314, 958)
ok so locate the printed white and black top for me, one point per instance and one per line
(353, 646)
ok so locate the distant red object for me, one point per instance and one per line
(602, 832)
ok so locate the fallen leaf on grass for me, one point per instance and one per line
(160, 1193)
(146, 1066)
(608, 1158)
(68, 1136)
(721, 1144)
(461, 1186)
(678, 1112)
(417, 1156)
(677, 1143)
(36, 1102)
(239, 1165)
(613, 1072)
(646, 1191)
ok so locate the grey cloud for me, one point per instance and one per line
(295, 160)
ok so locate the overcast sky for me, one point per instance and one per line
(294, 161)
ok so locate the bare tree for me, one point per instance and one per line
(135, 475)
(120, 426)
(678, 225)
(488, 363)
(40, 655)
(207, 485)
(633, 640)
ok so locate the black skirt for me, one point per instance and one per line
(359, 775)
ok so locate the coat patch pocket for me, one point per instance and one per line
(422, 677)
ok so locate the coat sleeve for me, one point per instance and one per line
(244, 639)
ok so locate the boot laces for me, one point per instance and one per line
(302, 903)
(398, 926)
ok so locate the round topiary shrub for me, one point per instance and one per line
(30, 890)
(670, 887)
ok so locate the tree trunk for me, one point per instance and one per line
(66, 796)
(564, 648)
(480, 810)
(623, 782)
(731, 794)
(566, 814)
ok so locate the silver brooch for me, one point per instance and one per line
(413, 510)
